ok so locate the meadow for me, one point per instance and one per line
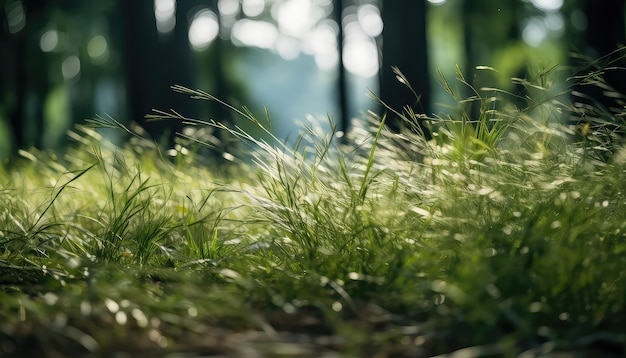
(500, 233)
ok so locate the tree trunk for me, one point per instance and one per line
(342, 90)
(605, 34)
(155, 62)
(405, 46)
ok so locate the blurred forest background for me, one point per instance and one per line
(63, 61)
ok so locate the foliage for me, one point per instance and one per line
(503, 234)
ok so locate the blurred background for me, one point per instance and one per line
(64, 61)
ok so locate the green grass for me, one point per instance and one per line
(503, 235)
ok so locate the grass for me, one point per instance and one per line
(503, 235)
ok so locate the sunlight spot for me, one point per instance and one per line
(287, 47)
(548, 5)
(228, 156)
(85, 308)
(535, 307)
(337, 306)
(484, 191)
(289, 308)
(295, 17)
(49, 41)
(322, 44)
(70, 68)
(534, 32)
(437, 2)
(253, 8)
(50, 298)
(140, 317)
(361, 56)
(16, 17)
(192, 311)
(98, 49)
(554, 22)
(420, 211)
(564, 316)
(370, 20)
(229, 273)
(555, 224)
(203, 30)
(121, 318)
(111, 305)
(254, 33)
(165, 15)
(228, 7)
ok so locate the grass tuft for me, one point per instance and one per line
(499, 233)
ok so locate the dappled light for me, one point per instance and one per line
(228, 8)
(98, 49)
(49, 41)
(203, 30)
(165, 15)
(71, 67)
(322, 44)
(369, 19)
(538, 28)
(548, 5)
(16, 18)
(252, 8)
(422, 178)
(255, 33)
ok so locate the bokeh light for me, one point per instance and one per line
(70, 68)
(252, 8)
(203, 30)
(228, 8)
(16, 18)
(370, 20)
(98, 49)
(165, 15)
(49, 41)
(254, 33)
(548, 5)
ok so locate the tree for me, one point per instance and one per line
(342, 90)
(25, 79)
(606, 34)
(155, 62)
(404, 46)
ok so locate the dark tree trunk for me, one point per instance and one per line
(155, 62)
(341, 77)
(25, 75)
(404, 46)
(605, 34)
(16, 76)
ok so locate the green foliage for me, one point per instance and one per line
(503, 234)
